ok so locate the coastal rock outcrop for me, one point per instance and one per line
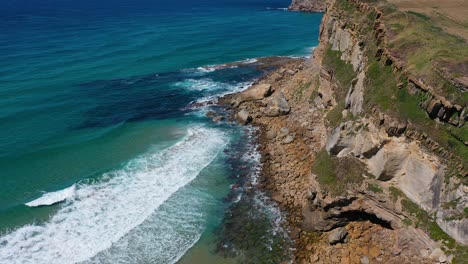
(338, 155)
(243, 117)
(277, 105)
(308, 5)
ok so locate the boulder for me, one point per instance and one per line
(438, 254)
(277, 105)
(244, 117)
(393, 126)
(346, 140)
(337, 235)
(256, 92)
(217, 119)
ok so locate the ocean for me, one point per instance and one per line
(104, 158)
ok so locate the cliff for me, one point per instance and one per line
(365, 144)
(308, 5)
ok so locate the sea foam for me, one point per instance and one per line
(99, 214)
(53, 197)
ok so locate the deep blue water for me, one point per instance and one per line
(94, 100)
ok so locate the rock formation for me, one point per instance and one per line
(364, 153)
(308, 5)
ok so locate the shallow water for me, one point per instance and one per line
(95, 95)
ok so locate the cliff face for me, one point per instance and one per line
(308, 5)
(392, 144)
(372, 137)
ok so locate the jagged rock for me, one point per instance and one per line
(458, 229)
(244, 117)
(277, 105)
(217, 119)
(256, 92)
(210, 114)
(393, 126)
(253, 93)
(337, 235)
(355, 96)
(438, 254)
(346, 140)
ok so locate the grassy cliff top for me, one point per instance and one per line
(430, 37)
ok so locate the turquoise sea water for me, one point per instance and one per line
(94, 112)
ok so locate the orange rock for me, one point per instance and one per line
(345, 260)
(374, 251)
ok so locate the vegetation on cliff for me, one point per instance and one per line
(414, 72)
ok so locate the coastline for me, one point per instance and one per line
(286, 149)
(289, 142)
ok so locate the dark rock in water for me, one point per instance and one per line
(217, 119)
(338, 235)
(211, 114)
(243, 117)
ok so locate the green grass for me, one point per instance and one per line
(395, 192)
(421, 219)
(324, 169)
(375, 188)
(335, 116)
(336, 175)
(342, 71)
(424, 46)
(302, 88)
(382, 91)
(407, 222)
(425, 222)
(381, 84)
(344, 74)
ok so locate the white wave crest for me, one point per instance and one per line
(101, 213)
(215, 89)
(204, 84)
(51, 198)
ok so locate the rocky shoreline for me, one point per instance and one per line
(356, 149)
(290, 136)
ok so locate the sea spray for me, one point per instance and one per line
(100, 214)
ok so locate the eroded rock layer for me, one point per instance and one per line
(365, 155)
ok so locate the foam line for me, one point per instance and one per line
(53, 197)
(99, 214)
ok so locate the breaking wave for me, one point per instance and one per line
(51, 198)
(100, 213)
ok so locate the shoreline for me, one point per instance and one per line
(276, 132)
(292, 131)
